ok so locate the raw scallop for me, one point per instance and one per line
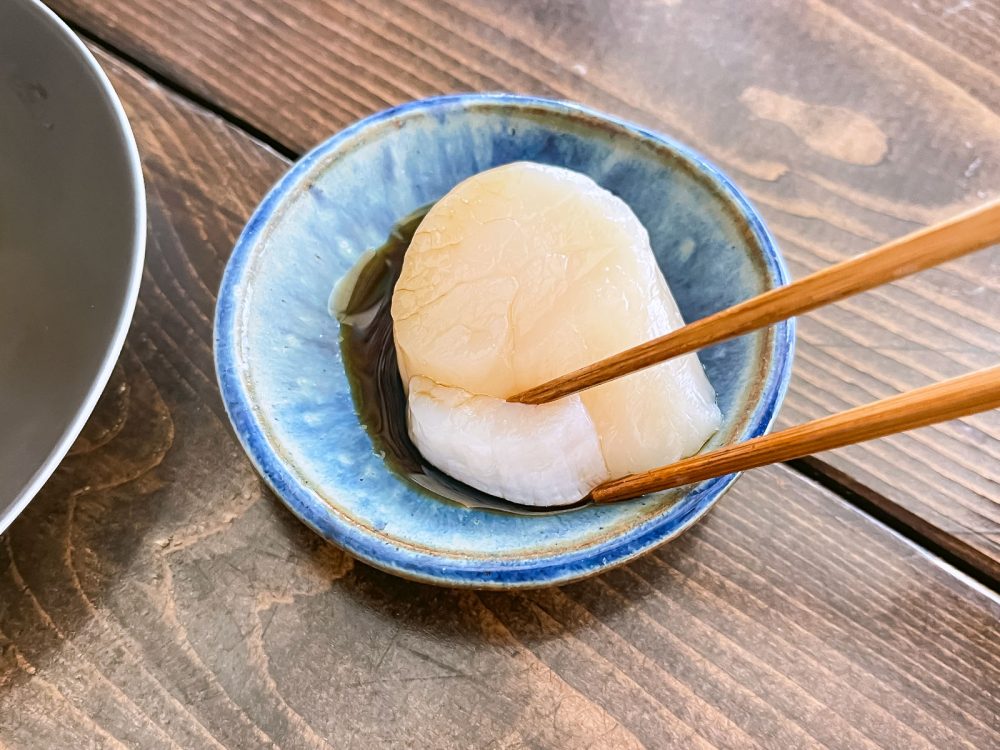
(525, 272)
(537, 455)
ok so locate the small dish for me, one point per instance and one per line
(279, 361)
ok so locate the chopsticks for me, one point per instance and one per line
(923, 249)
(958, 397)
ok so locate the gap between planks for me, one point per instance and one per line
(185, 92)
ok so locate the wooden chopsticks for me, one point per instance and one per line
(928, 247)
(958, 397)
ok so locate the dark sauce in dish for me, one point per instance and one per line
(369, 354)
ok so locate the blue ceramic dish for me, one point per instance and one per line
(278, 356)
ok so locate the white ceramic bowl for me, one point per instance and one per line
(72, 234)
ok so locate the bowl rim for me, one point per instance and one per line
(447, 569)
(136, 255)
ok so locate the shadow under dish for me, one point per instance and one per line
(369, 355)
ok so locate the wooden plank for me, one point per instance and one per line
(156, 595)
(846, 122)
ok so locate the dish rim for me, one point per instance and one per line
(137, 257)
(449, 569)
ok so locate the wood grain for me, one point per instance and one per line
(155, 594)
(926, 248)
(847, 122)
(958, 397)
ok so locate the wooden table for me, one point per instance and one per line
(155, 594)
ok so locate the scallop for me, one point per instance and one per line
(535, 455)
(519, 274)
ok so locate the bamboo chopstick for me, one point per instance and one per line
(958, 397)
(928, 247)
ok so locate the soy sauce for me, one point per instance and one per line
(369, 355)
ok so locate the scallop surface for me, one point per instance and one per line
(535, 455)
(525, 272)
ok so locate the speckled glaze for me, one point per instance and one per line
(279, 363)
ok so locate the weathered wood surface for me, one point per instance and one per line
(155, 595)
(846, 122)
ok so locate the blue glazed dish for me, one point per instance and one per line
(279, 362)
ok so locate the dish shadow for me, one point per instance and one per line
(473, 615)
